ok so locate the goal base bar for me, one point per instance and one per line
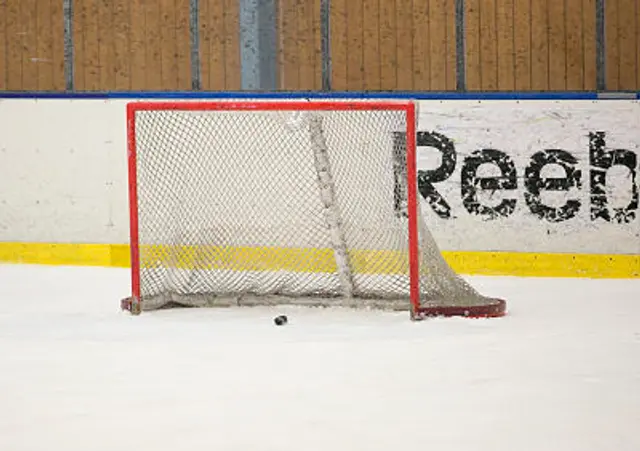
(494, 308)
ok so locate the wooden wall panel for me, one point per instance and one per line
(182, 47)
(393, 45)
(131, 45)
(627, 19)
(505, 24)
(375, 45)
(14, 46)
(473, 39)
(542, 45)
(436, 32)
(355, 46)
(522, 44)
(575, 79)
(638, 45)
(137, 45)
(448, 7)
(153, 43)
(122, 46)
(232, 43)
(288, 46)
(612, 63)
(371, 45)
(167, 41)
(404, 45)
(451, 57)
(338, 44)
(299, 45)
(621, 37)
(4, 68)
(106, 46)
(422, 55)
(212, 46)
(488, 45)
(29, 41)
(31, 37)
(308, 37)
(556, 20)
(589, 80)
(57, 46)
(43, 45)
(220, 45)
(92, 36)
(388, 45)
(317, 40)
(539, 46)
(90, 65)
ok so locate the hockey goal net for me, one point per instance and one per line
(298, 202)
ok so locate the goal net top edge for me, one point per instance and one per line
(262, 105)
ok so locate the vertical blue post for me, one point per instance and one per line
(258, 45)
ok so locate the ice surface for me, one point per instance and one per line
(561, 372)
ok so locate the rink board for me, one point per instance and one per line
(538, 187)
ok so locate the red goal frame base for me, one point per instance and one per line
(131, 305)
(494, 309)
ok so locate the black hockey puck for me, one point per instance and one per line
(280, 320)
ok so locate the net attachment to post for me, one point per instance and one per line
(267, 203)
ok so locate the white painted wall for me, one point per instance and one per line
(63, 172)
(520, 129)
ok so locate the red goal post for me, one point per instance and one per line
(179, 135)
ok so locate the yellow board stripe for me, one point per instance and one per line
(111, 255)
(598, 266)
(271, 259)
(320, 260)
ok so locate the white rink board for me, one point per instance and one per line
(521, 132)
(64, 173)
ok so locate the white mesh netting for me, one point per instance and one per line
(265, 207)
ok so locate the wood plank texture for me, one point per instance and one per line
(29, 40)
(131, 45)
(4, 68)
(510, 45)
(339, 44)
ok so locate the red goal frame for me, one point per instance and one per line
(492, 309)
(407, 107)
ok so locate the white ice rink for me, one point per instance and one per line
(561, 372)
